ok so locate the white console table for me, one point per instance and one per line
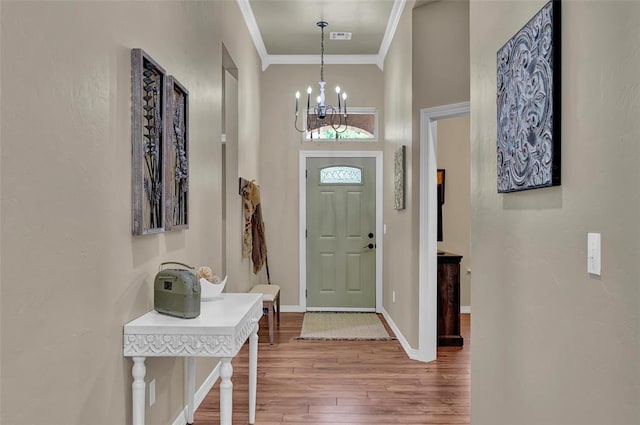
(220, 331)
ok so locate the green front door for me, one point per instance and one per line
(341, 240)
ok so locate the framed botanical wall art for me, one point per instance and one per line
(399, 162)
(528, 102)
(148, 99)
(177, 156)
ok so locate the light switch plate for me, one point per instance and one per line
(593, 253)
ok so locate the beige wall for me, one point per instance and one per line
(239, 270)
(441, 77)
(72, 272)
(1, 221)
(279, 147)
(453, 156)
(427, 65)
(244, 142)
(551, 343)
(440, 54)
(400, 242)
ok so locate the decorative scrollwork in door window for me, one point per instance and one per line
(341, 175)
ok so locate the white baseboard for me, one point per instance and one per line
(200, 395)
(342, 310)
(465, 309)
(411, 352)
(291, 309)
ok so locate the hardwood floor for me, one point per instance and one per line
(346, 382)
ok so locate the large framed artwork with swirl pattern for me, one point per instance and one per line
(528, 102)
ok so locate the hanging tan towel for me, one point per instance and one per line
(250, 200)
(253, 236)
(259, 248)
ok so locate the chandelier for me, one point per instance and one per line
(323, 115)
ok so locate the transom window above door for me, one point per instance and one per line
(362, 126)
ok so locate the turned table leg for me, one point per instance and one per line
(138, 390)
(253, 373)
(226, 391)
(191, 388)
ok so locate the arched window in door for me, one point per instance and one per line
(341, 174)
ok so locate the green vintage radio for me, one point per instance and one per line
(177, 292)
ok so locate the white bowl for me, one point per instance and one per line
(211, 291)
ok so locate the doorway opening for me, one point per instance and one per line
(361, 252)
(427, 274)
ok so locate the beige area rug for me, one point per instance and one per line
(343, 326)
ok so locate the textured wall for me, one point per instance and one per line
(453, 156)
(401, 242)
(243, 140)
(72, 272)
(440, 54)
(427, 65)
(441, 77)
(551, 343)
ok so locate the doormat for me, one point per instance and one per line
(343, 326)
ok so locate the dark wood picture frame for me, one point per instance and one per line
(177, 156)
(529, 104)
(148, 103)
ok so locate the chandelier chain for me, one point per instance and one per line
(322, 55)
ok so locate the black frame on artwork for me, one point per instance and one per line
(533, 169)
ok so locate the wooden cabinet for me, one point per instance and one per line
(449, 300)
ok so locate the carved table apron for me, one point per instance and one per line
(220, 331)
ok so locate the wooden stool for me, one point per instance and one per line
(270, 302)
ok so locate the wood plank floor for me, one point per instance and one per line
(346, 382)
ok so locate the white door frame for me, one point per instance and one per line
(428, 263)
(303, 216)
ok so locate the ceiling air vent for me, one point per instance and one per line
(333, 35)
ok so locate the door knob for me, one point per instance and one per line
(370, 246)
(370, 235)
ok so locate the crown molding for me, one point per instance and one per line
(392, 25)
(252, 25)
(328, 59)
(267, 59)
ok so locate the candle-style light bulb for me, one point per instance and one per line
(344, 99)
(308, 97)
(297, 98)
(338, 94)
